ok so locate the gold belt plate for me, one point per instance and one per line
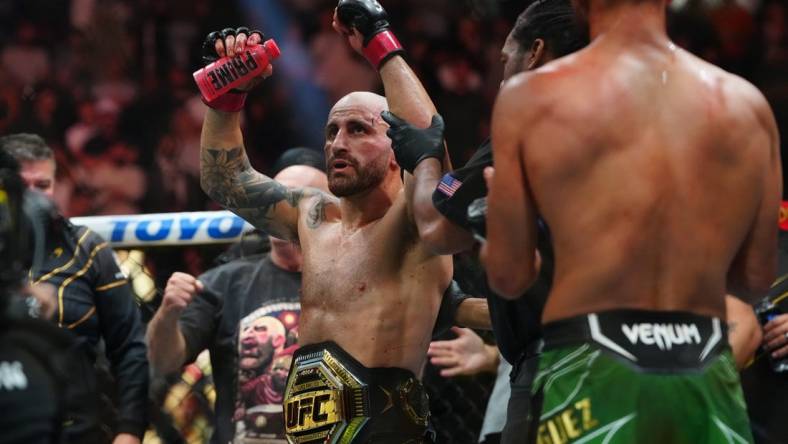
(324, 400)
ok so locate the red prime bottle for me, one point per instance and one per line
(229, 72)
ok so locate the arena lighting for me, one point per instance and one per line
(293, 68)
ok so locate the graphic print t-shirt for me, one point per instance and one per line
(248, 319)
(266, 343)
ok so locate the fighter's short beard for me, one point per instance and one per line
(365, 179)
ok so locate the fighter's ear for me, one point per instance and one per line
(537, 55)
(278, 341)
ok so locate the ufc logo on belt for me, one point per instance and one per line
(311, 410)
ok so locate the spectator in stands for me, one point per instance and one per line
(25, 59)
(108, 166)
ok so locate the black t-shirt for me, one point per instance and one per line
(28, 391)
(39, 396)
(515, 323)
(248, 319)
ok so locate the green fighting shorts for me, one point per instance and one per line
(633, 376)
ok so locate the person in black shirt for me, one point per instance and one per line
(544, 31)
(28, 387)
(94, 301)
(246, 313)
(36, 357)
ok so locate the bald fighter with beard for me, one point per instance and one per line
(371, 290)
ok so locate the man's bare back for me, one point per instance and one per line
(670, 165)
(659, 178)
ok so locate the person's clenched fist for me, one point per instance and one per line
(179, 292)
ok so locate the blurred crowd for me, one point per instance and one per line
(108, 83)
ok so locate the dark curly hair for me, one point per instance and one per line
(553, 21)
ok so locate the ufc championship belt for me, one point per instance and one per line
(331, 398)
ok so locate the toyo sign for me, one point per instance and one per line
(167, 228)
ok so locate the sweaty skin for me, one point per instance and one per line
(368, 283)
(378, 290)
(657, 173)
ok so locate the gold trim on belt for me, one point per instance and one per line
(324, 400)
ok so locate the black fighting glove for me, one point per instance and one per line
(370, 19)
(209, 54)
(412, 145)
(233, 100)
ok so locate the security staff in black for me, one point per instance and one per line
(544, 31)
(36, 357)
(95, 302)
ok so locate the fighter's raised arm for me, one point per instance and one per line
(226, 174)
(365, 24)
(421, 152)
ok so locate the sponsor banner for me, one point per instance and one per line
(143, 230)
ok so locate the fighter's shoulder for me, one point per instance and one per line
(310, 197)
(545, 87)
(741, 89)
(740, 95)
(315, 193)
(317, 206)
(748, 105)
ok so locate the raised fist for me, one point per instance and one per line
(179, 293)
(367, 16)
(366, 25)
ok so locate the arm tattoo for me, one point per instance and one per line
(317, 212)
(228, 178)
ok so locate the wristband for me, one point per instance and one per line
(382, 47)
(230, 102)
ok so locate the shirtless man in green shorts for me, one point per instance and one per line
(659, 178)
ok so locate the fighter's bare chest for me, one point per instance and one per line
(334, 260)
